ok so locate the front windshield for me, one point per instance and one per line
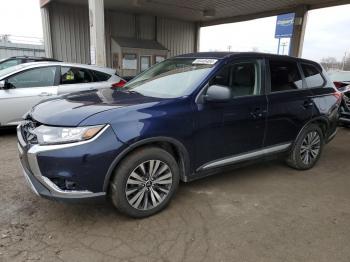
(172, 78)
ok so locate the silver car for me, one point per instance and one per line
(25, 85)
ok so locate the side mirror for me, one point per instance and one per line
(3, 84)
(217, 93)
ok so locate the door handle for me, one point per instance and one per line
(307, 104)
(45, 94)
(257, 113)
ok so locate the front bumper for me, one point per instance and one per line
(75, 161)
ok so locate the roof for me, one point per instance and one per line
(223, 55)
(217, 55)
(209, 12)
(138, 43)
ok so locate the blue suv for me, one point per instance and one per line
(185, 118)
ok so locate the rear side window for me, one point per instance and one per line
(312, 75)
(75, 75)
(285, 76)
(100, 76)
(38, 77)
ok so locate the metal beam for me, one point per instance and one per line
(97, 32)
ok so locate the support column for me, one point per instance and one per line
(197, 37)
(297, 40)
(45, 18)
(97, 33)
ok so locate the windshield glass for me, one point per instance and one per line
(172, 78)
(340, 76)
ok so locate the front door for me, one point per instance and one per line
(233, 128)
(26, 89)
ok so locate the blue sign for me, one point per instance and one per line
(284, 25)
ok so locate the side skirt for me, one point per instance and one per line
(238, 161)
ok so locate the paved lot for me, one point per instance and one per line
(265, 212)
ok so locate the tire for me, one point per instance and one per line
(307, 148)
(132, 177)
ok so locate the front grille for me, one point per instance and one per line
(27, 129)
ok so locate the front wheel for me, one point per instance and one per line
(144, 182)
(307, 148)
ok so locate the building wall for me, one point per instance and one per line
(10, 49)
(178, 36)
(70, 32)
(69, 26)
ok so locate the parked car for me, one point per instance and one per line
(23, 86)
(185, 118)
(16, 60)
(341, 80)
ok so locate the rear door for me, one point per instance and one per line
(324, 99)
(75, 79)
(290, 104)
(27, 88)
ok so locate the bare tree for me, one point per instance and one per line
(330, 63)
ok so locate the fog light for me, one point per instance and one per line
(64, 184)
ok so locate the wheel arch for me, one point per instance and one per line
(322, 122)
(173, 146)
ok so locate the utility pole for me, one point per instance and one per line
(344, 59)
(283, 46)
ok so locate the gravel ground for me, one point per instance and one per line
(264, 212)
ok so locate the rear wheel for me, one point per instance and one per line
(144, 182)
(307, 148)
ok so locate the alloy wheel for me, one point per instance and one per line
(310, 147)
(148, 184)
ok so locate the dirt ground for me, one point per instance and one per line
(264, 212)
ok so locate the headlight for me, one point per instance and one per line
(61, 135)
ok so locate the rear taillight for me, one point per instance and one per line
(120, 84)
(338, 95)
(339, 84)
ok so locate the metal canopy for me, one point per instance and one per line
(210, 12)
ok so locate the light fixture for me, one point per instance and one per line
(208, 13)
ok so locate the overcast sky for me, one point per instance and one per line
(20, 18)
(327, 33)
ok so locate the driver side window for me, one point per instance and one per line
(38, 77)
(243, 78)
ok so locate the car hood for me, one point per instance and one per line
(72, 109)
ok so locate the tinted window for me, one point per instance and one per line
(99, 76)
(284, 76)
(242, 78)
(312, 75)
(10, 63)
(38, 77)
(74, 75)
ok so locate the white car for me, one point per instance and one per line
(25, 85)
